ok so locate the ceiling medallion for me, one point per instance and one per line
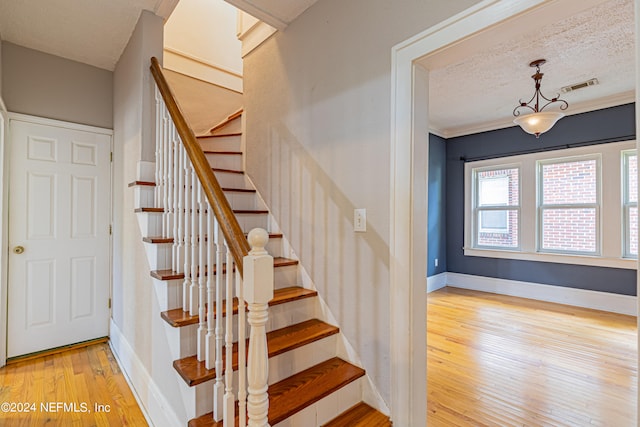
(538, 121)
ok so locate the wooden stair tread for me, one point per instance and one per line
(240, 190)
(218, 135)
(279, 341)
(251, 211)
(157, 240)
(152, 210)
(179, 318)
(360, 415)
(228, 171)
(173, 275)
(226, 153)
(299, 391)
(142, 184)
(162, 240)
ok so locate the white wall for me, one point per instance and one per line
(45, 85)
(137, 336)
(200, 41)
(317, 102)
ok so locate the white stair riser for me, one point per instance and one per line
(224, 143)
(183, 341)
(150, 223)
(287, 364)
(231, 180)
(168, 293)
(283, 315)
(225, 161)
(286, 276)
(239, 200)
(274, 247)
(327, 408)
(250, 221)
(143, 196)
(158, 255)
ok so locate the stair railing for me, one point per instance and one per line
(208, 242)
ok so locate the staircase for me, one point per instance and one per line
(309, 381)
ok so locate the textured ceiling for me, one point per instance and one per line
(476, 85)
(94, 32)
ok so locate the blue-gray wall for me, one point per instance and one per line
(437, 209)
(608, 125)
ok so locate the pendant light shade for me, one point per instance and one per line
(538, 121)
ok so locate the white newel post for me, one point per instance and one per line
(258, 291)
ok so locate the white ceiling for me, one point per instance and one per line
(475, 85)
(94, 32)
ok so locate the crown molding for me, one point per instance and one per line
(583, 107)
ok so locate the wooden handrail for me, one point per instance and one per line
(233, 234)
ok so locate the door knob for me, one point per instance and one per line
(18, 250)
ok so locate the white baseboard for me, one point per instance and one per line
(615, 303)
(436, 282)
(155, 407)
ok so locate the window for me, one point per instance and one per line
(575, 205)
(497, 206)
(569, 205)
(630, 203)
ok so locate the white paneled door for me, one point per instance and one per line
(59, 238)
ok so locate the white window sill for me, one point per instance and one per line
(630, 264)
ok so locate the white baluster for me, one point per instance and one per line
(258, 291)
(175, 170)
(170, 206)
(210, 339)
(181, 155)
(242, 352)
(186, 285)
(229, 404)
(218, 388)
(166, 227)
(193, 290)
(202, 290)
(159, 147)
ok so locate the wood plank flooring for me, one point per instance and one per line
(63, 389)
(494, 360)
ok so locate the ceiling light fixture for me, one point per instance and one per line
(538, 122)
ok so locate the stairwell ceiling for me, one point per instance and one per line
(475, 84)
(93, 32)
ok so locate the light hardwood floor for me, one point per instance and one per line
(494, 360)
(63, 389)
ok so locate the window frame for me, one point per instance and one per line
(626, 204)
(611, 215)
(494, 208)
(541, 207)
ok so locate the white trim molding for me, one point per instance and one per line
(252, 32)
(156, 409)
(408, 197)
(605, 301)
(436, 282)
(199, 68)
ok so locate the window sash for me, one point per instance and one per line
(568, 206)
(627, 205)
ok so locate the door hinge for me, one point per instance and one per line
(111, 157)
(110, 229)
(109, 302)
